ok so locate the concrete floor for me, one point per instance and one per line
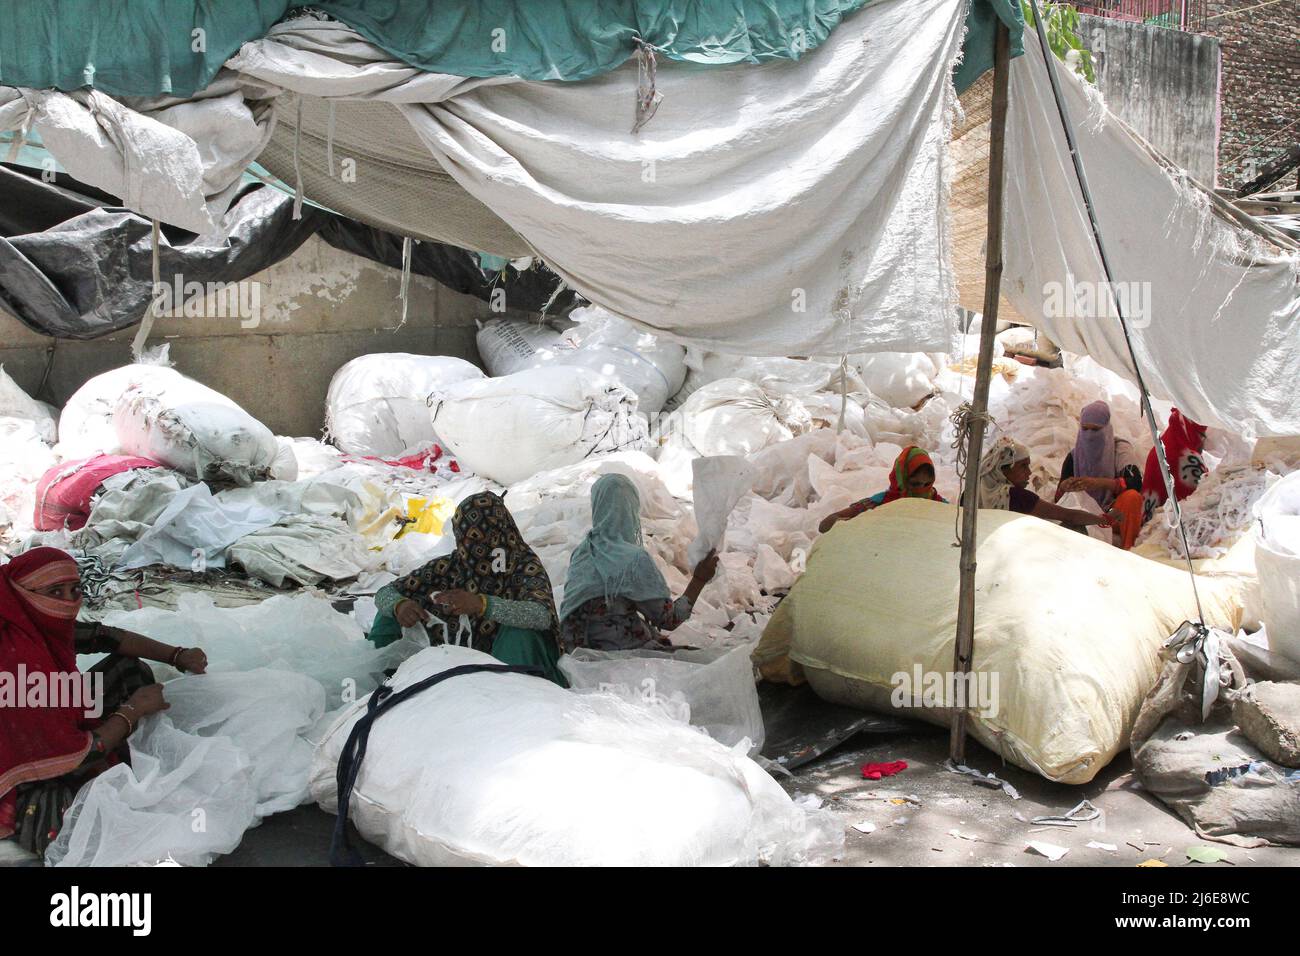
(914, 812)
(913, 832)
(993, 827)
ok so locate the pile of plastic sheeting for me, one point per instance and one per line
(300, 632)
(523, 772)
(1215, 516)
(230, 751)
(711, 688)
(237, 742)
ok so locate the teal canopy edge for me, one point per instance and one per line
(176, 47)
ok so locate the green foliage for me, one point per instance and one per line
(1061, 23)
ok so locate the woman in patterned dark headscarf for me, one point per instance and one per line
(494, 579)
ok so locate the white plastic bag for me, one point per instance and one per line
(378, 404)
(718, 483)
(508, 429)
(735, 417)
(507, 346)
(901, 379)
(716, 682)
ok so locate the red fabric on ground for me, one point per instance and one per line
(874, 771)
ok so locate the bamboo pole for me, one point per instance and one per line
(964, 649)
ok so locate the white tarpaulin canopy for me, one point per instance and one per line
(780, 209)
(1213, 298)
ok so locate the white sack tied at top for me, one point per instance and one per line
(718, 483)
(780, 209)
(1213, 301)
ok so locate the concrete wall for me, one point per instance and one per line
(1164, 83)
(319, 308)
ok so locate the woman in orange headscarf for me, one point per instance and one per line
(912, 477)
(61, 729)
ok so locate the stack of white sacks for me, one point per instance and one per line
(561, 406)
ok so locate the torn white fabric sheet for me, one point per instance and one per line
(195, 529)
(1214, 306)
(178, 161)
(303, 549)
(840, 155)
(718, 483)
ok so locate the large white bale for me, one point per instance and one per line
(198, 431)
(1068, 630)
(735, 417)
(378, 404)
(901, 379)
(511, 769)
(508, 429)
(86, 423)
(648, 366)
(507, 346)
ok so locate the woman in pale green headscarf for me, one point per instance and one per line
(615, 598)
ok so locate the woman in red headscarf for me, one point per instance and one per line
(912, 477)
(1184, 440)
(61, 727)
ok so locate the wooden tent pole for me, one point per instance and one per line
(964, 649)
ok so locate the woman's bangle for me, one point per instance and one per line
(483, 609)
(130, 727)
(176, 654)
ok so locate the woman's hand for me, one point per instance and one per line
(148, 700)
(409, 614)
(461, 602)
(1106, 521)
(192, 660)
(1086, 483)
(706, 569)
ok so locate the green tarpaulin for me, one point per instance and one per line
(151, 47)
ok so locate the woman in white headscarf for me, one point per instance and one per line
(1004, 475)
